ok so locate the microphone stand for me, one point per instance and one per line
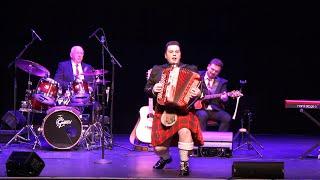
(15, 86)
(113, 61)
(103, 137)
(111, 93)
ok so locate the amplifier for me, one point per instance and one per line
(216, 144)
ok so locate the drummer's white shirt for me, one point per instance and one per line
(79, 68)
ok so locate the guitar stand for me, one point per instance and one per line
(249, 138)
(245, 135)
(141, 146)
(312, 148)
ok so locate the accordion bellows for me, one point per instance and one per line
(177, 84)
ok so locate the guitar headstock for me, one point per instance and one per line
(235, 93)
(148, 73)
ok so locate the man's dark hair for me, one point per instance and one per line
(217, 62)
(171, 43)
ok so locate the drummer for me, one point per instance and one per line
(74, 75)
(73, 69)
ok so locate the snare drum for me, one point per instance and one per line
(62, 127)
(47, 91)
(80, 92)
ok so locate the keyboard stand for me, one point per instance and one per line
(305, 154)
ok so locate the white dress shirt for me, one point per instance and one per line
(74, 70)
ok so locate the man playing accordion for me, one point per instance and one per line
(174, 85)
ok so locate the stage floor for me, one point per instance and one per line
(127, 163)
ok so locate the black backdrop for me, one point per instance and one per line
(273, 45)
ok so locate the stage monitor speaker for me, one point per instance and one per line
(261, 170)
(24, 164)
(216, 144)
(13, 120)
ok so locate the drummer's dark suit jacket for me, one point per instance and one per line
(64, 74)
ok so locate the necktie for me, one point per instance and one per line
(77, 69)
(210, 83)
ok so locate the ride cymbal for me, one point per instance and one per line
(32, 68)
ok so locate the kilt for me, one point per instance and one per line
(161, 133)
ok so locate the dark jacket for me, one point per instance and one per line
(155, 77)
(64, 74)
(216, 104)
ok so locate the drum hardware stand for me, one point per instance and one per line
(245, 134)
(98, 132)
(15, 86)
(90, 136)
(29, 126)
(93, 131)
(94, 136)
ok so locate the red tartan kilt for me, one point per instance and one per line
(161, 133)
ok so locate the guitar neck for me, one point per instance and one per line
(150, 104)
(214, 96)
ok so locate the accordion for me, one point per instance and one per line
(177, 84)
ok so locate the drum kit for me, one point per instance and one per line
(62, 127)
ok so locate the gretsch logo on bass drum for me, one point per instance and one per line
(61, 122)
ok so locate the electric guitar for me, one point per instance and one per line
(202, 103)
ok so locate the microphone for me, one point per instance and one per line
(108, 92)
(34, 32)
(94, 33)
(103, 39)
(242, 83)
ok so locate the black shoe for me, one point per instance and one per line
(184, 168)
(161, 163)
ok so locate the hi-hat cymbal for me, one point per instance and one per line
(95, 72)
(32, 68)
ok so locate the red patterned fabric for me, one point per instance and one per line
(180, 93)
(161, 133)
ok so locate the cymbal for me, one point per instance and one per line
(32, 68)
(95, 72)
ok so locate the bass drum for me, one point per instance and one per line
(62, 127)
